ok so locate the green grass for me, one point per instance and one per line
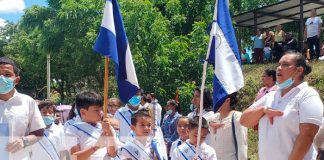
(252, 75)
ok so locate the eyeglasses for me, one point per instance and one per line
(112, 106)
(285, 65)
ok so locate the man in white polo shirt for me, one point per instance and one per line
(313, 30)
(20, 120)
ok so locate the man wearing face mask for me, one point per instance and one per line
(124, 115)
(20, 120)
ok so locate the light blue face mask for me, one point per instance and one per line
(6, 84)
(169, 112)
(117, 133)
(285, 84)
(48, 120)
(191, 107)
(75, 111)
(135, 101)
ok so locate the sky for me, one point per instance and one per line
(12, 10)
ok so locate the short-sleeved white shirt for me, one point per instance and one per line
(175, 144)
(87, 136)
(135, 150)
(69, 122)
(186, 151)
(301, 104)
(50, 145)
(22, 115)
(312, 24)
(124, 115)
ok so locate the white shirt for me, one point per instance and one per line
(302, 104)
(186, 151)
(21, 114)
(124, 115)
(174, 145)
(158, 112)
(50, 145)
(135, 150)
(312, 24)
(87, 136)
(223, 141)
(75, 119)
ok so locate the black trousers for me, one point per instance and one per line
(314, 41)
(277, 50)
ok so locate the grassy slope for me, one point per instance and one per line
(252, 75)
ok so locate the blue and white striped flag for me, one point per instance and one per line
(112, 41)
(224, 55)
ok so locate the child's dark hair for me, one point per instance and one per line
(182, 117)
(71, 113)
(5, 60)
(207, 98)
(141, 113)
(86, 99)
(146, 99)
(47, 104)
(194, 123)
(233, 100)
(271, 72)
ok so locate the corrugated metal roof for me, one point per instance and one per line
(279, 13)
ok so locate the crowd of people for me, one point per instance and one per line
(286, 112)
(269, 46)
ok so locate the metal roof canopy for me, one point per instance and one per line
(279, 13)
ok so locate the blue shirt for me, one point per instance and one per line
(258, 41)
(169, 128)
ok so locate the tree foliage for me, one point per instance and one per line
(168, 40)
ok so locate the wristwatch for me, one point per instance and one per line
(25, 141)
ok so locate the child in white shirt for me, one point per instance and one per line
(139, 148)
(94, 140)
(52, 145)
(187, 150)
(183, 132)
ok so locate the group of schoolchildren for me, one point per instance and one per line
(131, 133)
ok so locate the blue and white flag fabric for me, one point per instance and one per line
(224, 55)
(112, 41)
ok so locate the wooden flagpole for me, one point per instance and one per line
(106, 79)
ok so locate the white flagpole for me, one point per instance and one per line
(203, 80)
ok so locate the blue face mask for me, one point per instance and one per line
(285, 84)
(48, 120)
(6, 84)
(135, 101)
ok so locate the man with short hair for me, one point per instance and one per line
(19, 113)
